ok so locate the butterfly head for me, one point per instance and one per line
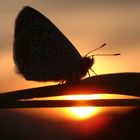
(85, 65)
(87, 62)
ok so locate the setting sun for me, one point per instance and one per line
(82, 112)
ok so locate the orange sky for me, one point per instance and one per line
(87, 24)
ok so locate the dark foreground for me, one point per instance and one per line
(15, 125)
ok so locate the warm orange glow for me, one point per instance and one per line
(82, 113)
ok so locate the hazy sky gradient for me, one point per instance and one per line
(87, 24)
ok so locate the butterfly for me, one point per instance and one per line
(42, 53)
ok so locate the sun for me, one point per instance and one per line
(81, 113)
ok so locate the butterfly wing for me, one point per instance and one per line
(41, 51)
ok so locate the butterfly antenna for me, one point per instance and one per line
(95, 49)
(115, 54)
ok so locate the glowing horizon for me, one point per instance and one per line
(84, 113)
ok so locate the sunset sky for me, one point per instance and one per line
(87, 24)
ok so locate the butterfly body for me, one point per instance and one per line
(43, 53)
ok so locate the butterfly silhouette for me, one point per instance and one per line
(42, 53)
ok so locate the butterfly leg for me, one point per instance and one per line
(93, 71)
(88, 73)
